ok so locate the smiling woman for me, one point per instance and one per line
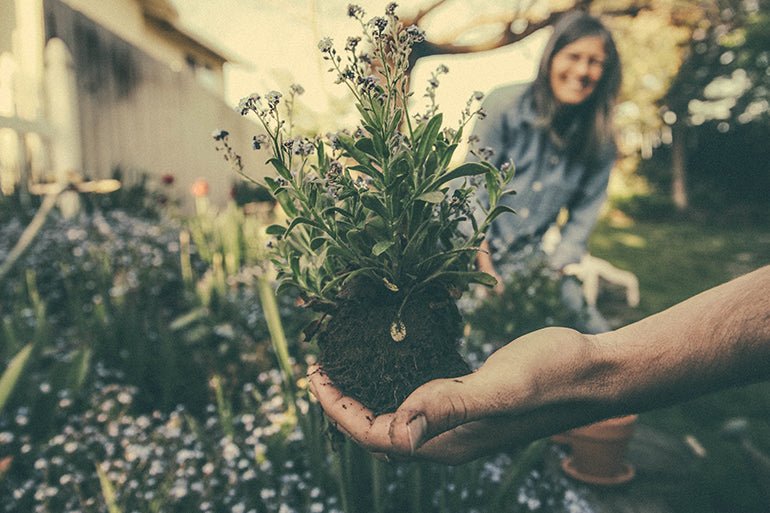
(577, 69)
(558, 132)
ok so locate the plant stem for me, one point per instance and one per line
(278, 339)
(378, 479)
(339, 471)
(416, 488)
(223, 408)
(532, 453)
(12, 373)
(444, 481)
(29, 233)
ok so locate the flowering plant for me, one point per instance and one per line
(380, 231)
(376, 202)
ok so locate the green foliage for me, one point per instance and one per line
(382, 202)
(531, 301)
(646, 207)
(723, 79)
(727, 175)
(115, 291)
(18, 204)
(11, 374)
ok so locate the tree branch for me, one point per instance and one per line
(506, 36)
(415, 20)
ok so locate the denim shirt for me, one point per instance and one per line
(546, 180)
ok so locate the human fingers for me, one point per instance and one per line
(435, 407)
(350, 416)
(468, 442)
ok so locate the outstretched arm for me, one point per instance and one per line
(555, 378)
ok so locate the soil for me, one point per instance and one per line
(359, 355)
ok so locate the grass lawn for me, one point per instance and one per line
(675, 260)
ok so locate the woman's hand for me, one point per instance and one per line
(459, 419)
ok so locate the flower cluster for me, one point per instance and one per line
(133, 254)
(378, 70)
(165, 461)
(255, 461)
(430, 91)
(109, 287)
(346, 197)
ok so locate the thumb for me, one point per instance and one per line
(432, 409)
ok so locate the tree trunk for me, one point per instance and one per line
(679, 165)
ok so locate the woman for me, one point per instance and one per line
(557, 131)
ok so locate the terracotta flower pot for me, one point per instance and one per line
(598, 451)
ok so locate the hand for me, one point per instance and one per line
(459, 419)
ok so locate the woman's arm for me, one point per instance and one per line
(583, 213)
(484, 264)
(555, 379)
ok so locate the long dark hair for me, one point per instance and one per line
(594, 130)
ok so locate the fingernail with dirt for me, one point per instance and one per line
(415, 430)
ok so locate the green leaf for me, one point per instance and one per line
(276, 230)
(317, 243)
(188, 319)
(371, 271)
(367, 146)
(294, 264)
(431, 197)
(428, 138)
(330, 211)
(467, 169)
(463, 278)
(367, 118)
(493, 188)
(395, 121)
(448, 255)
(446, 155)
(284, 285)
(280, 167)
(272, 183)
(348, 144)
(380, 148)
(108, 491)
(431, 166)
(301, 220)
(373, 203)
(80, 368)
(498, 210)
(415, 242)
(321, 155)
(12, 373)
(382, 247)
(378, 108)
(286, 203)
(342, 253)
(356, 236)
(368, 171)
(480, 277)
